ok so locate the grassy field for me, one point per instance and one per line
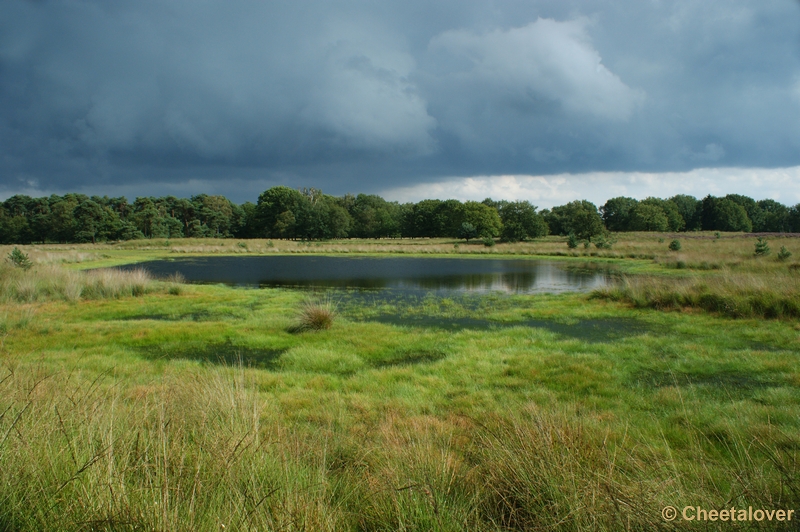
(128, 403)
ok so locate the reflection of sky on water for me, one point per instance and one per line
(398, 273)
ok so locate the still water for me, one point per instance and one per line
(396, 273)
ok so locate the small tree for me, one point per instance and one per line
(675, 245)
(762, 249)
(784, 253)
(20, 259)
(467, 231)
(572, 241)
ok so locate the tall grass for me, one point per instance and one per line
(51, 282)
(729, 293)
(199, 451)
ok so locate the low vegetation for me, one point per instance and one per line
(131, 403)
(738, 295)
(51, 282)
(315, 315)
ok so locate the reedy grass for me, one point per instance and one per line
(730, 293)
(51, 282)
(199, 450)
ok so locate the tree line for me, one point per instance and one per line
(308, 214)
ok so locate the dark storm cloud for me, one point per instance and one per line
(358, 96)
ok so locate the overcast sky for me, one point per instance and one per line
(547, 100)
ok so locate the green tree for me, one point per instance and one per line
(374, 217)
(248, 228)
(723, 214)
(617, 212)
(424, 219)
(92, 222)
(272, 203)
(647, 217)
(762, 248)
(572, 241)
(675, 221)
(520, 221)
(793, 219)
(467, 231)
(775, 217)
(579, 217)
(63, 219)
(41, 220)
(754, 212)
(221, 216)
(690, 209)
(485, 219)
(339, 222)
(151, 218)
(20, 259)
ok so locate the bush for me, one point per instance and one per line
(572, 241)
(762, 249)
(784, 253)
(603, 242)
(20, 259)
(488, 242)
(675, 245)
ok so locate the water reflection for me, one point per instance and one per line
(398, 273)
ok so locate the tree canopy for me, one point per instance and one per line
(309, 214)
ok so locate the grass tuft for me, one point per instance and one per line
(315, 316)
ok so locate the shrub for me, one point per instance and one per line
(784, 253)
(675, 245)
(572, 241)
(20, 259)
(604, 243)
(762, 248)
(488, 242)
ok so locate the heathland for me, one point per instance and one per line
(133, 403)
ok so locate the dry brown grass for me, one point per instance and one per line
(773, 294)
(49, 281)
(701, 250)
(315, 315)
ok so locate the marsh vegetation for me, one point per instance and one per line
(129, 402)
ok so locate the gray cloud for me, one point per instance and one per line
(357, 96)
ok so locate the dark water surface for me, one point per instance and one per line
(517, 276)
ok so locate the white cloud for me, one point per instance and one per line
(545, 59)
(780, 184)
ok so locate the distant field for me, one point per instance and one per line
(128, 403)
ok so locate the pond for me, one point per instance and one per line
(415, 274)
